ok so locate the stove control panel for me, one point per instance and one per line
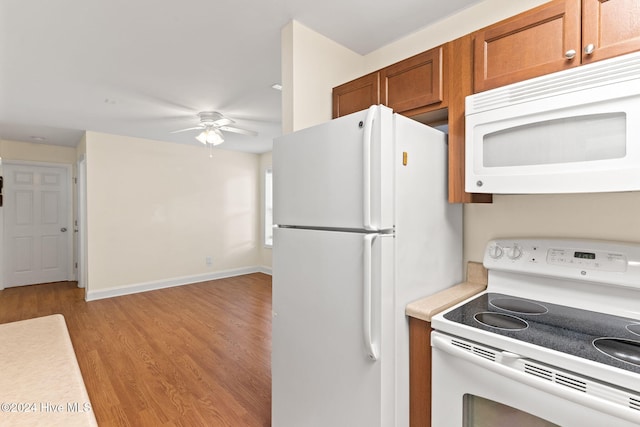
(587, 259)
(592, 260)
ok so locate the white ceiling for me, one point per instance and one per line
(146, 67)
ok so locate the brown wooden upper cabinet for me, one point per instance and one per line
(356, 95)
(609, 28)
(415, 84)
(554, 36)
(412, 86)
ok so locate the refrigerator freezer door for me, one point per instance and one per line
(338, 174)
(322, 370)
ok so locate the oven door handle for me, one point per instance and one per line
(581, 398)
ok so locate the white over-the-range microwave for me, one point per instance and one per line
(573, 131)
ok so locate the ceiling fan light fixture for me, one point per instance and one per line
(202, 137)
(210, 136)
(215, 137)
(211, 126)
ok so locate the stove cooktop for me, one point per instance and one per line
(602, 338)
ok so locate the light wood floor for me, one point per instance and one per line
(195, 355)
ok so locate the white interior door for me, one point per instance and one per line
(36, 224)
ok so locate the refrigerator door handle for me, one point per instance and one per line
(370, 346)
(366, 166)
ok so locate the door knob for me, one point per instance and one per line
(63, 229)
(570, 54)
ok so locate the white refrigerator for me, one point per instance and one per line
(363, 227)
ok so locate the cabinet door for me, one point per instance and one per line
(356, 95)
(609, 28)
(537, 42)
(419, 373)
(413, 83)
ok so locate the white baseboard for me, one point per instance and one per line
(168, 283)
(266, 270)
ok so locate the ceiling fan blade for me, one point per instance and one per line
(214, 118)
(238, 130)
(224, 121)
(184, 130)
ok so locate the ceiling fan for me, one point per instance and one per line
(212, 124)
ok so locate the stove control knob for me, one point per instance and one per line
(496, 252)
(514, 252)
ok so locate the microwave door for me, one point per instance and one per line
(571, 143)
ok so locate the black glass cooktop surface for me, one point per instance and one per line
(599, 337)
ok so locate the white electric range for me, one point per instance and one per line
(554, 340)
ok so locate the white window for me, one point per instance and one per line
(268, 208)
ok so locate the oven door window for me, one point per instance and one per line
(481, 412)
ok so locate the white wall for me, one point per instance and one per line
(601, 216)
(312, 65)
(607, 216)
(36, 152)
(156, 210)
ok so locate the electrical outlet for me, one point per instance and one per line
(209, 261)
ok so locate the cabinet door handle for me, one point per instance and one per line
(588, 49)
(570, 54)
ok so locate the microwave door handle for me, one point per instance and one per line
(367, 139)
(367, 320)
(535, 382)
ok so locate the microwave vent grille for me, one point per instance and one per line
(602, 73)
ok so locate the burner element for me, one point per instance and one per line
(519, 306)
(500, 321)
(634, 329)
(620, 349)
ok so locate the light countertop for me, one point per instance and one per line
(40, 380)
(427, 307)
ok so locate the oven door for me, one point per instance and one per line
(477, 386)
